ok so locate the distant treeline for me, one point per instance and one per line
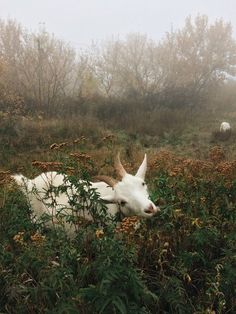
(185, 70)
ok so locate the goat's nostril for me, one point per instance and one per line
(150, 210)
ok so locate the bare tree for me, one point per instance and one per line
(196, 58)
(11, 44)
(46, 69)
(40, 67)
(125, 67)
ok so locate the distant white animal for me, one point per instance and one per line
(129, 196)
(225, 127)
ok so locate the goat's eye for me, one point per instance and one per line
(122, 203)
(143, 183)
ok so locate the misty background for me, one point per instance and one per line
(82, 21)
(163, 73)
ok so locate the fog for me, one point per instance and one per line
(158, 63)
(82, 21)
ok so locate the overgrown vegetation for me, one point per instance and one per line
(182, 261)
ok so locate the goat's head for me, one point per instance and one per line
(131, 193)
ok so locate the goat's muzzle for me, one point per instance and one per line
(152, 209)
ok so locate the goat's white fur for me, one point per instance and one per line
(225, 127)
(129, 195)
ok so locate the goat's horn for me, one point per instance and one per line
(109, 180)
(118, 166)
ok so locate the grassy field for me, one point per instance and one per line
(24, 139)
(181, 261)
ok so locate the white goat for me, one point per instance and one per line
(225, 127)
(129, 196)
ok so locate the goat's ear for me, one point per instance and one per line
(108, 199)
(20, 179)
(142, 169)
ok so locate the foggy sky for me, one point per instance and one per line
(82, 21)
